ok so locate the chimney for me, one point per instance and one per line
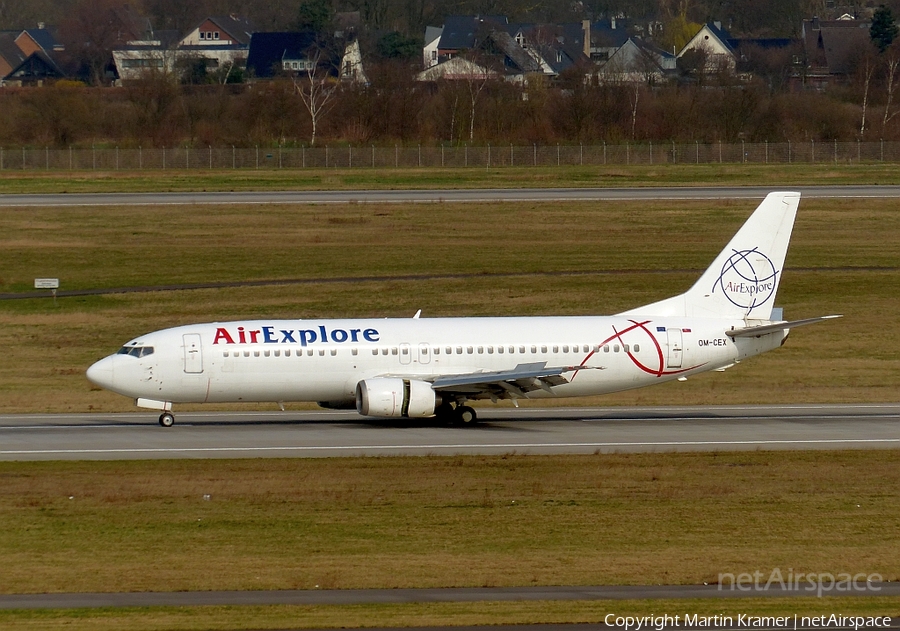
(586, 45)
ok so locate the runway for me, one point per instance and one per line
(319, 434)
(437, 196)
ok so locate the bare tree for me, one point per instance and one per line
(892, 66)
(316, 88)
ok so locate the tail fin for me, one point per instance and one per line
(743, 280)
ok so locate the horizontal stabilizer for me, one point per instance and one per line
(756, 331)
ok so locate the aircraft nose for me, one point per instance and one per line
(101, 373)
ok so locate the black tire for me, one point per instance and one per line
(445, 413)
(466, 415)
(166, 419)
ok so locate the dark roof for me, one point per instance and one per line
(9, 51)
(460, 30)
(268, 49)
(44, 38)
(240, 29)
(35, 67)
(609, 33)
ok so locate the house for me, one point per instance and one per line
(638, 61)
(457, 68)
(219, 31)
(430, 50)
(26, 57)
(712, 41)
(831, 46)
(273, 54)
(603, 38)
(34, 70)
(501, 48)
(216, 43)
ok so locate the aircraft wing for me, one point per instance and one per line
(756, 331)
(515, 383)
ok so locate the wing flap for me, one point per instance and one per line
(515, 383)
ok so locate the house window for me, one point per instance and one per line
(202, 35)
(216, 35)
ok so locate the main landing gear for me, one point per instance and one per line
(458, 415)
(166, 419)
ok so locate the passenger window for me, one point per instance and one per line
(374, 351)
(437, 350)
(266, 353)
(246, 353)
(225, 354)
(615, 348)
(333, 352)
(459, 350)
(566, 348)
(256, 353)
(354, 351)
(626, 348)
(543, 349)
(522, 349)
(499, 350)
(533, 350)
(394, 351)
(637, 348)
(322, 353)
(490, 350)
(586, 349)
(287, 353)
(384, 351)
(404, 351)
(469, 350)
(556, 349)
(309, 353)
(277, 353)
(481, 350)
(606, 348)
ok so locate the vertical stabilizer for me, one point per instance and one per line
(743, 279)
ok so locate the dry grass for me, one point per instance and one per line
(445, 521)
(564, 258)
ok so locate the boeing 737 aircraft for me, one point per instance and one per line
(422, 367)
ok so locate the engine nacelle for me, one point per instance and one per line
(393, 398)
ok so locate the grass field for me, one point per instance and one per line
(560, 258)
(446, 521)
(775, 175)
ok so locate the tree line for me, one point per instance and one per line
(394, 108)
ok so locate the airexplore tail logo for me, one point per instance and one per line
(748, 278)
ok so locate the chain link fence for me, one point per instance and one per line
(485, 156)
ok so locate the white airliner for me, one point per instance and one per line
(422, 367)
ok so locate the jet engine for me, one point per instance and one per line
(392, 398)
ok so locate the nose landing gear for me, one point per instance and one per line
(166, 419)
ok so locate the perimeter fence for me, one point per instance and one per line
(487, 156)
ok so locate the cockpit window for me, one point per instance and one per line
(136, 351)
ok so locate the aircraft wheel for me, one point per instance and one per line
(166, 419)
(445, 413)
(466, 415)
